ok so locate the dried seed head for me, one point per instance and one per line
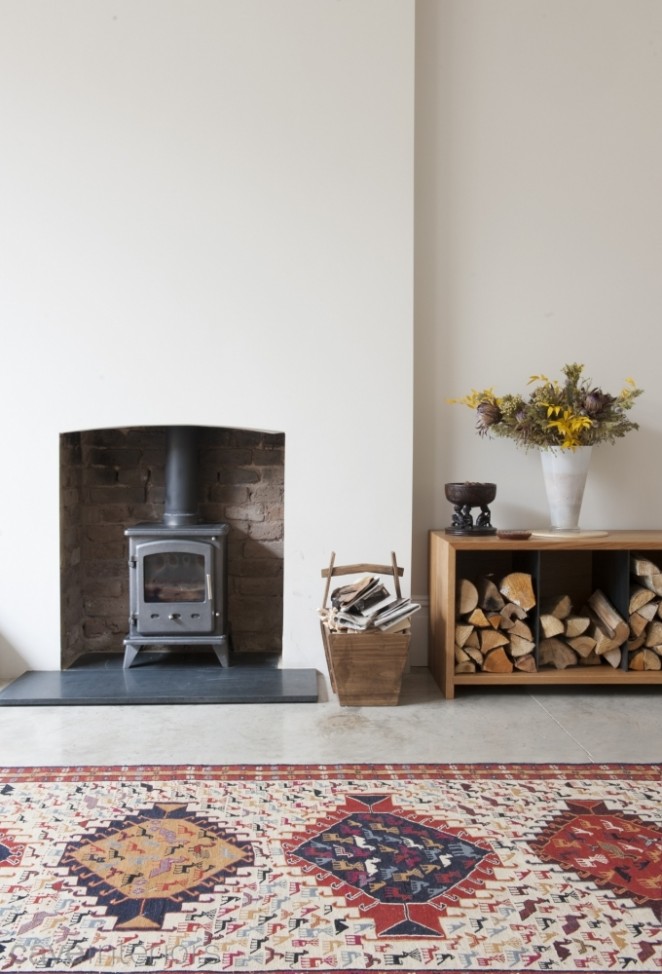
(595, 401)
(487, 414)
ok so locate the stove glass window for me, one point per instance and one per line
(174, 576)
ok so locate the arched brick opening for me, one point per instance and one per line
(111, 479)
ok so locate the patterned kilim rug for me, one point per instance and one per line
(331, 868)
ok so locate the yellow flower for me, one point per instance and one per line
(476, 397)
(568, 425)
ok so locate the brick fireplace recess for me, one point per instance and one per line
(223, 521)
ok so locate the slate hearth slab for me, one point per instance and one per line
(161, 678)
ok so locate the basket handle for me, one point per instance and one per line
(396, 575)
(329, 575)
(334, 570)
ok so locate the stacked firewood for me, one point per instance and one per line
(494, 630)
(493, 633)
(592, 636)
(645, 642)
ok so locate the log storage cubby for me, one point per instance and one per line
(577, 609)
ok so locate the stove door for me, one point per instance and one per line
(174, 591)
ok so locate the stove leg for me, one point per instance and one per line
(222, 652)
(130, 653)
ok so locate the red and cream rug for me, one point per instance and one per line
(331, 868)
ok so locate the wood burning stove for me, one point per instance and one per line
(178, 567)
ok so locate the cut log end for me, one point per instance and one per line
(498, 661)
(556, 653)
(518, 588)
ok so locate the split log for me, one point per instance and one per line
(551, 625)
(489, 597)
(582, 645)
(490, 639)
(640, 619)
(616, 626)
(645, 659)
(654, 633)
(613, 656)
(460, 655)
(576, 625)
(653, 582)
(497, 661)
(518, 588)
(604, 642)
(555, 652)
(557, 605)
(511, 611)
(518, 646)
(641, 565)
(608, 628)
(467, 596)
(637, 643)
(462, 633)
(639, 596)
(473, 640)
(495, 620)
(520, 628)
(592, 660)
(474, 654)
(478, 618)
(527, 664)
(466, 667)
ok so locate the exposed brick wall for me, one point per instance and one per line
(71, 627)
(111, 479)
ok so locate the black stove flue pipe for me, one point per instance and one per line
(181, 482)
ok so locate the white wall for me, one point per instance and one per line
(236, 175)
(538, 240)
(242, 171)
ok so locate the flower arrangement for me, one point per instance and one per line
(565, 414)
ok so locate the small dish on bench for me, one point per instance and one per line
(514, 535)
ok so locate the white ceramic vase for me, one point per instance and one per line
(564, 473)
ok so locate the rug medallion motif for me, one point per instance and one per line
(331, 868)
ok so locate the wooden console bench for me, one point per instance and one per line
(574, 566)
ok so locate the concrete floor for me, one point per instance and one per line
(546, 724)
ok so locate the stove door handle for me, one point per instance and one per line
(210, 594)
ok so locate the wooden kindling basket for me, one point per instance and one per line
(365, 668)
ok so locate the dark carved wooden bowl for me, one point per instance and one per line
(470, 493)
